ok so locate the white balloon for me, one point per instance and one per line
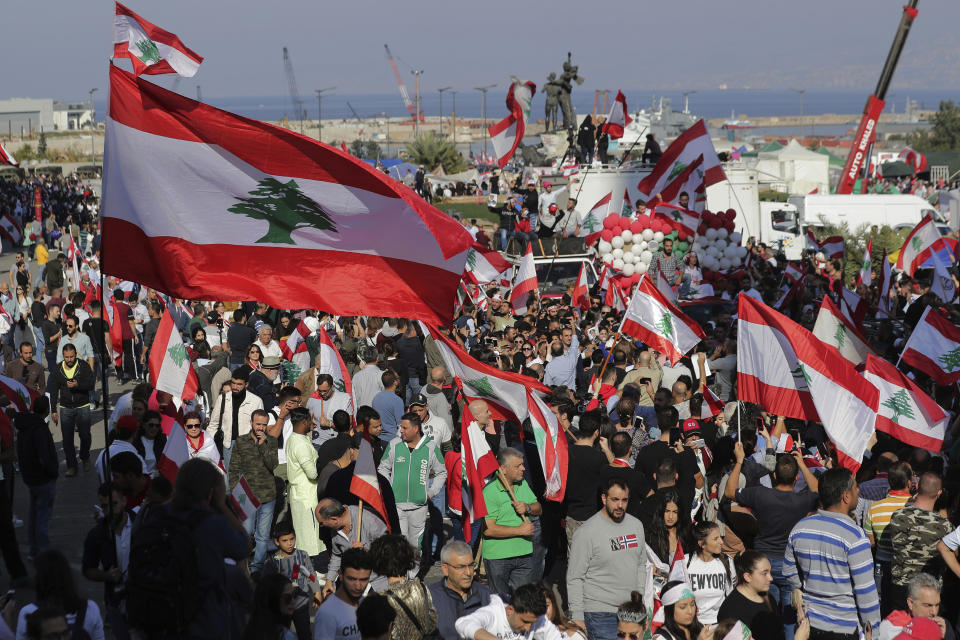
(617, 242)
(628, 269)
(695, 247)
(722, 233)
(646, 257)
(604, 247)
(741, 252)
(724, 264)
(617, 253)
(730, 252)
(653, 246)
(711, 234)
(637, 247)
(627, 235)
(647, 234)
(617, 264)
(736, 237)
(641, 267)
(658, 236)
(607, 258)
(719, 243)
(628, 257)
(734, 261)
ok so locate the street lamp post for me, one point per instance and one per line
(483, 110)
(416, 117)
(440, 91)
(320, 93)
(93, 128)
(453, 117)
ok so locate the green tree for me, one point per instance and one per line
(431, 150)
(481, 387)
(840, 335)
(944, 134)
(855, 243)
(285, 208)
(42, 145)
(951, 359)
(900, 404)
(365, 149)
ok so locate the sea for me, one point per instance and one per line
(713, 103)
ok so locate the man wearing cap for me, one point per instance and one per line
(547, 198)
(263, 381)
(254, 459)
(548, 220)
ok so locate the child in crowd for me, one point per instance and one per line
(295, 564)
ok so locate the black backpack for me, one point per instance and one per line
(163, 594)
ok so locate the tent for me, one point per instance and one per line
(835, 161)
(798, 169)
(773, 145)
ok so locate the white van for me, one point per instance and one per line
(897, 211)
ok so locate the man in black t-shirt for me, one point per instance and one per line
(584, 467)
(98, 331)
(239, 338)
(689, 476)
(52, 331)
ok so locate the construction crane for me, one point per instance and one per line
(858, 162)
(403, 89)
(354, 112)
(298, 112)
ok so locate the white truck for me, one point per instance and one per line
(897, 211)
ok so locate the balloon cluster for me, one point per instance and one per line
(628, 245)
(717, 245)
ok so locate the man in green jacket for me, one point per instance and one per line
(409, 462)
(254, 459)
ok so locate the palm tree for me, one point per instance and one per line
(431, 150)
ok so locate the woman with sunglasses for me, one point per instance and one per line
(199, 445)
(150, 441)
(254, 357)
(680, 614)
(272, 610)
(632, 618)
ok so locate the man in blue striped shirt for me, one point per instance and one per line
(829, 564)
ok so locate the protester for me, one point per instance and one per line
(394, 557)
(337, 616)
(56, 588)
(295, 566)
(522, 617)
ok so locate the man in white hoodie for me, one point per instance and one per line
(525, 617)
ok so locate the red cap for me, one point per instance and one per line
(128, 423)
(553, 208)
(690, 426)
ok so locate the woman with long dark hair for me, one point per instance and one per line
(750, 602)
(711, 572)
(395, 558)
(679, 613)
(272, 610)
(669, 528)
(56, 587)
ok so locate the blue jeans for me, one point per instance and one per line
(413, 389)
(41, 511)
(504, 238)
(225, 458)
(457, 522)
(506, 574)
(781, 590)
(75, 420)
(259, 527)
(600, 625)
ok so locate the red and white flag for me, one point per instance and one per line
(905, 412)
(477, 463)
(331, 362)
(832, 248)
(664, 287)
(170, 367)
(615, 299)
(655, 321)
(691, 144)
(10, 230)
(203, 204)
(883, 287)
(934, 348)
(942, 284)
(866, 267)
(365, 485)
(679, 218)
(581, 291)
(151, 49)
(690, 182)
(7, 158)
(922, 241)
(592, 223)
(618, 118)
(853, 306)
(813, 245)
(788, 295)
(485, 265)
(19, 395)
(793, 272)
(296, 343)
(551, 446)
(788, 371)
(245, 504)
(570, 169)
(507, 134)
(525, 285)
(178, 450)
(836, 330)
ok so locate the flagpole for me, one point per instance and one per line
(627, 154)
(360, 524)
(509, 488)
(738, 421)
(606, 360)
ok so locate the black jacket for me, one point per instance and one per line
(35, 450)
(260, 385)
(63, 396)
(450, 605)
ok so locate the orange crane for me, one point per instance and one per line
(858, 162)
(403, 89)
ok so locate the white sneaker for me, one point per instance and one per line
(17, 522)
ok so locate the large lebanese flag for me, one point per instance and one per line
(934, 348)
(691, 144)
(204, 204)
(657, 322)
(919, 244)
(477, 463)
(835, 329)
(525, 285)
(365, 485)
(507, 134)
(551, 446)
(504, 391)
(151, 49)
(19, 395)
(618, 118)
(788, 371)
(170, 367)
(678, 218)
(485, 265)
(7, 158)
(690, 182)
(905, 412)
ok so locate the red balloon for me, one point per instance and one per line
(625, 222)
(702, 229)
(635, 278)
(636, 227)
(617, 230)
(682, 236)
(730, 225)
(611, 221)
(606, 235)
(731, 213)
(716, 223)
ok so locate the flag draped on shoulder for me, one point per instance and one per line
(331, 362)
(905, 412)
(656, 321)
(204, 204)
(691, 144)
(477, 463)
(151, 49)
(525, 285)
(788, 371)
(365, 484)
(618, 118)
(919, 244)
(836, 330)
(934, 348)
(507, 134)
(170, 368)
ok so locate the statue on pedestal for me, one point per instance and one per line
(569, 76)
(553, 89)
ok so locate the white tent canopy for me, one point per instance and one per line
(795, 168)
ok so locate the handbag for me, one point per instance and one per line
(218, 436)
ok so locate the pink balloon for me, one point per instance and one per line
(625, 222)
(636, 227)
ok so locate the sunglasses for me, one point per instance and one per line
(195, 425)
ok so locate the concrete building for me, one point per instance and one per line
(70, 116)
(22, 115)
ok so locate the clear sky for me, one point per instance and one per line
(59, 48)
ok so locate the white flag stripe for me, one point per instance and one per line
(831, 329)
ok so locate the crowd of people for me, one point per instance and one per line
(678, 520)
